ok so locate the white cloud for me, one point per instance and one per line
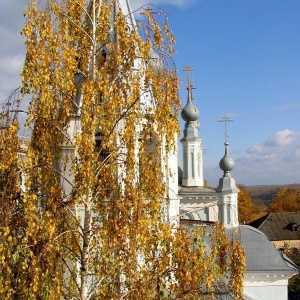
(275, 160)
(10, 69)
(280, 139)
(12, 64)
(12, 50)
(297, 154)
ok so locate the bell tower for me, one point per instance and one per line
(191, 143)
(227, 190)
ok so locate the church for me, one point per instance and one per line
(268, 270)
(190, 201)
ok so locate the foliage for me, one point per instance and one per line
(9, 215)
(247, 210)
(287, 200)
(94, 222)
(213, 260)
(294, 282)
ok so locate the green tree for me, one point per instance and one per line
(94, 223)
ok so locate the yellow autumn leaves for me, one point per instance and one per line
(92, 223)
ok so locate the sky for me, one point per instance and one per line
(246, 60)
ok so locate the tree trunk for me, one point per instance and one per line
(84, 270)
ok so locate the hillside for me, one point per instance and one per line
(263, 194)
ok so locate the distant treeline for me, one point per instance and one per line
(265, 193)
(255, 201)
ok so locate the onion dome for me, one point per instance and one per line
(226, 163)
(227, 185)
(190, 112)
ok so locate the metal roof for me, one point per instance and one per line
(261, 254)
(196, 190)
(279, 226)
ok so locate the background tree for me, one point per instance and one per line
(287, 200)
(94, 222)
(247, 210)
(294, 282)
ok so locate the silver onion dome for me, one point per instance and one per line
(190, 112)
(226, 163)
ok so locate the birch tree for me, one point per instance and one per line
(103, 116)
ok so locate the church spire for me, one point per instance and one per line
(227, 190)
(124, 5)
(191, 143)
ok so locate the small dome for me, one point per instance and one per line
(190, 112)
(226, 163)
(155, 61)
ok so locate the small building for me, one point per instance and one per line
(280, 228)
(268, 270)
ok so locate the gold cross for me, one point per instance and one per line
(224, 120)
(188, 69)
(148, 12)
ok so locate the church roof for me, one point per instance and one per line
(261, 254)
(196, 190)
(279, 226)
(262, 257)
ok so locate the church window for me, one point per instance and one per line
(102, 58)
(103, 153)
(193, 164)
(292, 227)
(185, 164)
(228, 206)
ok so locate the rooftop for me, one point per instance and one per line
(279, 226)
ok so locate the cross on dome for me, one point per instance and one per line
(148, 12)
(188, 69)
(225, 120)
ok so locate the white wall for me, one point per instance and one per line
(272, 292)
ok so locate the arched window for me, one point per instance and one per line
(103, 153)
(102, 58)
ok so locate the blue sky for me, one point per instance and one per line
(246, 57)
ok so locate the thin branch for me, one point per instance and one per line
(74, 255)
(80, 28)
(74, 277)
(51, 123)
(65, 232)
(125, 112)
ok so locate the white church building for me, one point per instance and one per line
(268, 270)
